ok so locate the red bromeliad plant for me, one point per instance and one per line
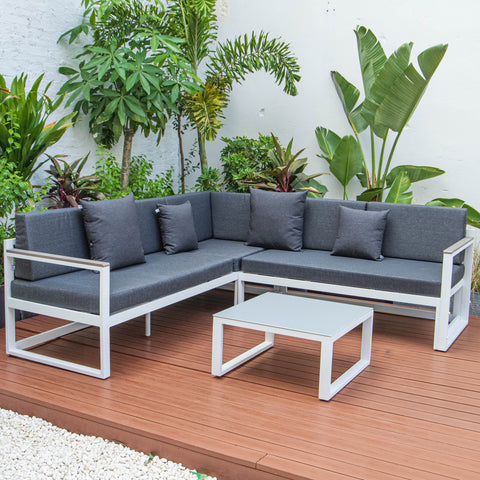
(287, 173)
(65, 186)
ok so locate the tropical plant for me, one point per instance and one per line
(392, 88)
(66, 186)
(131, 74)
(142, 183)
(16, 195)
(26, 127)
(209, 180)
(287, 173)
(242, 157)
(195, 21)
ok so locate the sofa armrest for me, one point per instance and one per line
(458, 247)
(82, 263)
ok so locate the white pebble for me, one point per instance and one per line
(33, 449)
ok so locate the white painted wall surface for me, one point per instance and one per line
(29, 30)
(442, 132)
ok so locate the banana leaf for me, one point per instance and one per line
(399, 191)
(327, 141)
(415, 173)
(347, 160)
(370, 195)
(473, 216)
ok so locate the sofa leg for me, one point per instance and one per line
(10, 332)
(148, 324)
(239, 295)
(104, 352)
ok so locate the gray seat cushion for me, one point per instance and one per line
(161, 275)
(51, 231)
(421, 232)
(228, 249)
(392, 274)
(230, 215)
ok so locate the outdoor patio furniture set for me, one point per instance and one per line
(116, 260)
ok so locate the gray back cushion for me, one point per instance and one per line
(321, 221)
(148, 224)
(52, 231)
(420, 232)
(201, 209)
(230, 215)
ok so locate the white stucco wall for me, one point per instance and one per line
(442, 132)
(29, 30)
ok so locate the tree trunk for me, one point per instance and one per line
(128, 134)
(180, 144)
(202, 151)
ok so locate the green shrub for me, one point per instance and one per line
(141, 181)
(16, 195)
(209, 180)
(242, 157)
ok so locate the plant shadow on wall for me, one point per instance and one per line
(393, 88)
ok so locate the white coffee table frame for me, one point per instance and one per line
(327, 331)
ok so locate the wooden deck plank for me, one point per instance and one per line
(414, 413)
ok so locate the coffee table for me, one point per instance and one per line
(295, 316)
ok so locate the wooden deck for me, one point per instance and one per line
(413, 413)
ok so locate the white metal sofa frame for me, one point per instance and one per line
(447, 326)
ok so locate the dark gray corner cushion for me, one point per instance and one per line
(230, 215)
(201, 208)
(321, 221)
(276, 219)
(421, 232)
(51, 231)
(177, 228)
(113, 232)
(360, 234)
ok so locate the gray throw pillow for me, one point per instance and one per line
(113, 232)
(276, 219)
(177, 228)
(360, 233)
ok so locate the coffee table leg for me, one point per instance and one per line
(217, 347)
(326, 359)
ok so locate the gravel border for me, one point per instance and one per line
(34, 449)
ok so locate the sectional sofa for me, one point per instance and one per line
(115, 260)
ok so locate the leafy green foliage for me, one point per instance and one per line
(66, 186)
(209, 180)
(26, 128)
(142, 183)
(393, 88)
(131, 76)
(473, 214)
(287, 173)
(16, 195)
(242, 157)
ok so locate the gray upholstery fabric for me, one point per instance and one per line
(321, 221)
(201, 208)
(161, 275)
(148, 223)
(52, 231)
(230, 215)
(177, 228)
(360, 233)
(228, 249)
(113, 232)
(420, 232)
(392, 274)
(276, 219)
